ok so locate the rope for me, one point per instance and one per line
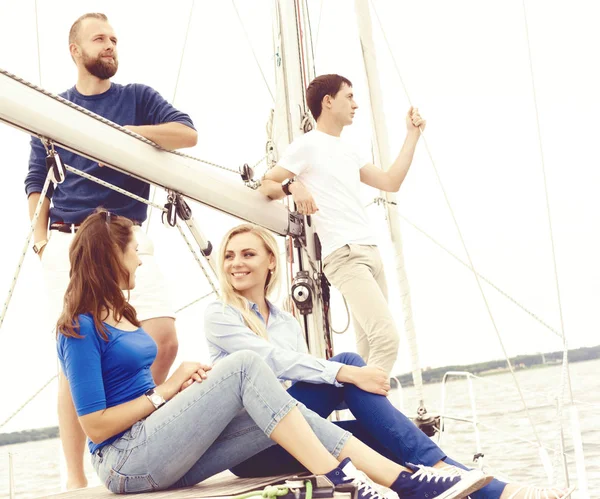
(262, 73)
(197, 300)
(460, 235)
(149, 203)
(259, 162)
(482, 277)
(114, 187)
(347, 316)
(28, 401)
(271, 491)
(34, 220)
(110, 123)
(197, 258)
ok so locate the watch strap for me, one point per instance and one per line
(155, 398)
(285, 185)
(37, 247)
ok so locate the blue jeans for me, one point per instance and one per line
(207, 428)
(378, 424)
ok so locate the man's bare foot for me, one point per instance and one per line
(77, 483)
(516, 491)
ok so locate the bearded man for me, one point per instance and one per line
(93, 48)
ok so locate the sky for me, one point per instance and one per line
(464, 64)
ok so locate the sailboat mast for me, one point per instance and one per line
(294, 69)
(382, 150)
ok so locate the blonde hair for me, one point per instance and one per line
(229, 295)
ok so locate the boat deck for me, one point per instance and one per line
(222, 485)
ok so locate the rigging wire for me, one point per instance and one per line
(197, 258)
(34, 220)
(197, 300)
(116, 126)
(565, 378)
(262, 73)
(482, 277)
(26, 403)
(113, 187)
(110, 123)
(37, 37)
(310, 38)
(301, 47)
(545, 179)
(316, 45)
(460, 235)
(149, 203)
(187, 32)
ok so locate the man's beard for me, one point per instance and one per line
(100, 68)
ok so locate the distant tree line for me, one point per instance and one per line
(519, 362)
(28, 435)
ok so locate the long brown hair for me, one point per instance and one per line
(96, 274)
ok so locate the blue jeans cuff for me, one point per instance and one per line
(283, 412)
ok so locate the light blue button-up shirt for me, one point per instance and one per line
(285, 352)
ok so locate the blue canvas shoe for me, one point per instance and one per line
(431, 483)
(347, 474)
(423, 483)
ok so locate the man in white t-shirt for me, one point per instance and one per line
(323, 174)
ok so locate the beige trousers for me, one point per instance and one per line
(356, 270)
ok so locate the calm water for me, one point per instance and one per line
(36, 464)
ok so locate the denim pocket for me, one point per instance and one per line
(127, 484)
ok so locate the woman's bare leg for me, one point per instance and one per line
(72, 436)
(378, 468)
(295, 435)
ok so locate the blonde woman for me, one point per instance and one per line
(245, 319)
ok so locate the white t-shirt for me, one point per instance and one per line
(330, 170)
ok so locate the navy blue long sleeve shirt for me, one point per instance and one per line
(76, 197)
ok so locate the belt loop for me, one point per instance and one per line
(72, 228)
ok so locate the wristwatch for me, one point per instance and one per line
(285, 185)
(155, 398)
(37, 247)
